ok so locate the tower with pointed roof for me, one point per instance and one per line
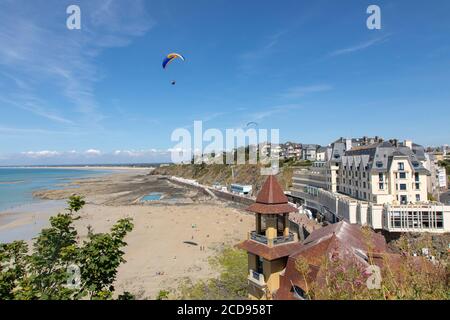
(271, 243)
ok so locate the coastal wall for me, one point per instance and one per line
(223, 174)
(227, 196)
(233, 197)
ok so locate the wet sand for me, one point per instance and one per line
(25, 222)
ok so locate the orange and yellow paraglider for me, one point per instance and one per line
(170, 57)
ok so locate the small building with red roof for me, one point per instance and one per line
(270, 245)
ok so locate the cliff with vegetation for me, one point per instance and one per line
(209, 174)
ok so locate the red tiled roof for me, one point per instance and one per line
(340, 237)
(271, 199)
(271, 208)
(271, 192)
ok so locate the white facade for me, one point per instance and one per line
(437, 181)
(382, 186)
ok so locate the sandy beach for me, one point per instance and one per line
(157, 254)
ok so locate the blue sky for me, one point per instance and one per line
(310, 68)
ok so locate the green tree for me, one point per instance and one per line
(76, 203)
(44, 272)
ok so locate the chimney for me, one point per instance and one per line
(408, 143)
(348, 144)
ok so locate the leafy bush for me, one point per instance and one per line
(403, 277)
(231, 283)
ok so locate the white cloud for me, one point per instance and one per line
(301, 91)
(91, 156)
(41, 154)
(37, 49)
(252, 60)
(261, 115)
(359, 47)
(93, 152)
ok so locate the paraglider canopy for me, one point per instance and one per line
(251, 124)
(170, 57)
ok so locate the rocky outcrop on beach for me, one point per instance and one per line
(124, 189)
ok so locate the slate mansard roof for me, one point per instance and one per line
(378, 156)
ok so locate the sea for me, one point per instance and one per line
(18, 184)
(16, 196)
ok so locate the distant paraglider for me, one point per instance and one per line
(252, 124)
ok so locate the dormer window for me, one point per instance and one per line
(379, 164)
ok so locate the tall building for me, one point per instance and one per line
(437, 180)
(309, 152)
(370, 181)
(269, 246)
(323, 153)
(292, 150)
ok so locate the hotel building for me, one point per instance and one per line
(372, 182)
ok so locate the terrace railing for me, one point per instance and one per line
(261, 238)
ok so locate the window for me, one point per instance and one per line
(417, 185)
(259, 264)
(381, 186)
(381, 177)
(298, 292)
(401, 166)
(396, 219)
(364, 184)
(416, 176)
(379, 164)
(402, 175)
(402, 186)
(403, 199)
(417, 197)
(439, 220)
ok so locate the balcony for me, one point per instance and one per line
(261, 238)
(257, 278)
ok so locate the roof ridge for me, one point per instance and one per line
(271, 192)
